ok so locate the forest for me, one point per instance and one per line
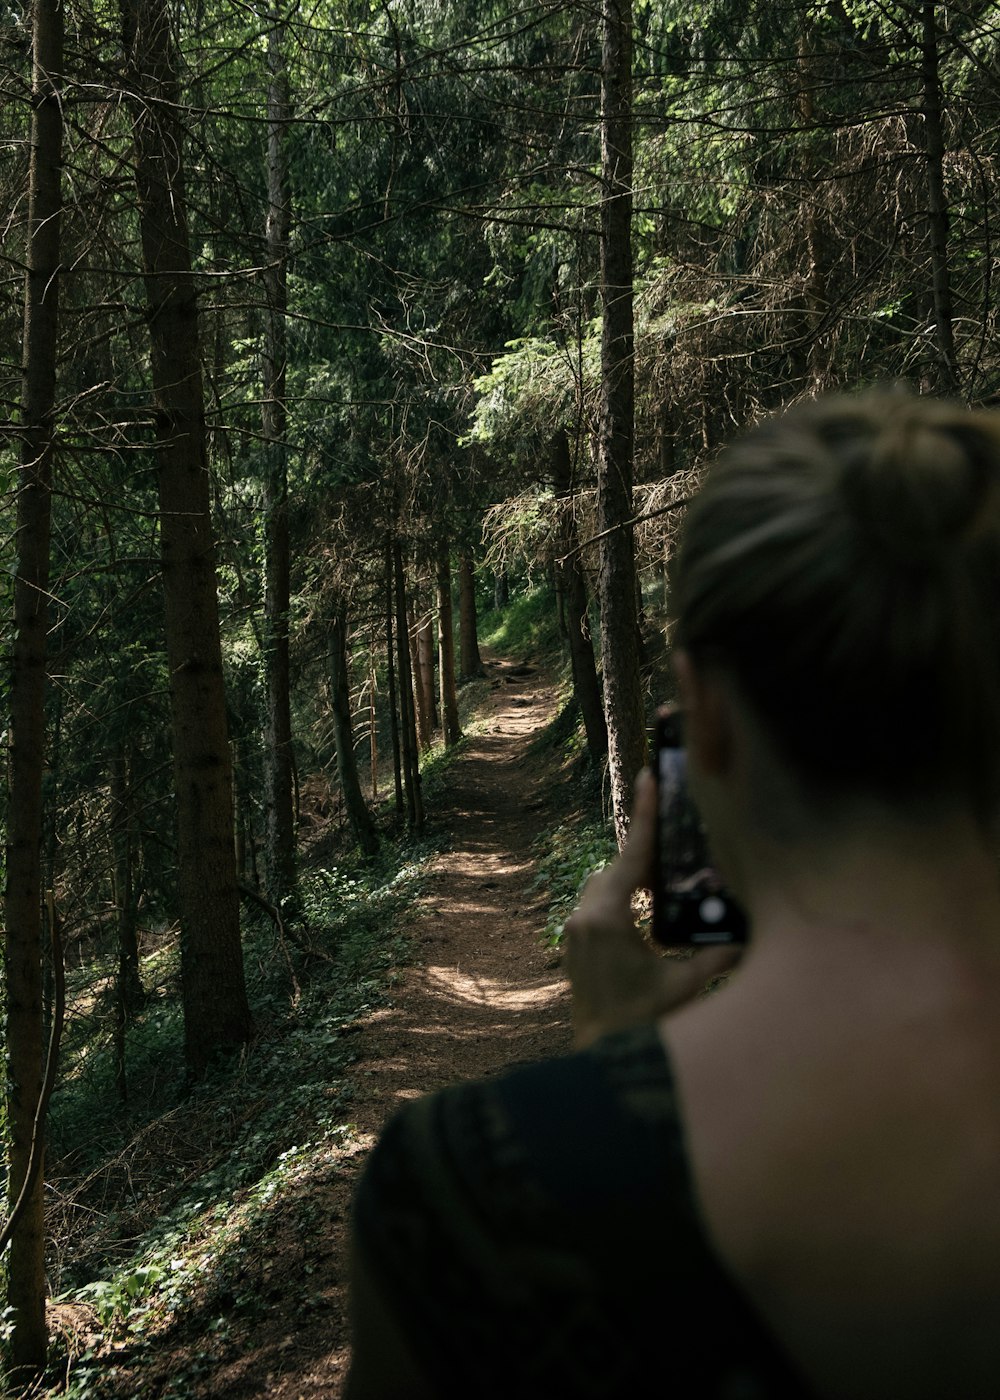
(333, 333)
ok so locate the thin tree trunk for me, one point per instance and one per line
(131, 994)
(411, 768)
(561, 607)
(446, 647)
(586, 683)
(423, 633)
(216, 1011)
(397, 770)
(418, 699)
(470, 663)
(239, 814)
(937, 203)
(23, 892)
(372, 727)
(358, 815)
(616, 583)
(501, 590)
(278, 807)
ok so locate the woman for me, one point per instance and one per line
(804, 1167)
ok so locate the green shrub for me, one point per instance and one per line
(568, 856)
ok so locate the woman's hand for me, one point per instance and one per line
(617, 979)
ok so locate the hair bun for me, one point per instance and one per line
(921, 481)
(842, 563)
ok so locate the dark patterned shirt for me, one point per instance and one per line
(537, 1236)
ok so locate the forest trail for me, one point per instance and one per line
(482, 993)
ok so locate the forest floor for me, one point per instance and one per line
(481, 992)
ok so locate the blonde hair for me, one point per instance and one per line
(842, 562)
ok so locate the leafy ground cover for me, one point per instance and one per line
(568, 855)
(160, 1202)
(187, 1221)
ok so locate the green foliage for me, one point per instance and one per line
(173, 1224)
(113, 1298)
(568, 856)
(536, 386)
(528, 627)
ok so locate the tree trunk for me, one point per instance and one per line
(278, 806)
(373, 726)
(216, 1012)
(423, 632)
(446, 646)
(397, 770)
(937, 204)
(411, 767)
(23, 892)
(501, 590)
(131, 994)
(358, 815)
(470, 663)
(616, 584)
(573, 585)
(418, 698)
(128, 993)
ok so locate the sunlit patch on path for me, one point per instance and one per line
(483, 991)
(488, 991)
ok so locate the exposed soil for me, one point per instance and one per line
(482, 993)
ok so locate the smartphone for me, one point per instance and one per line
(691, 905)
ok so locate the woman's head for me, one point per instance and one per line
(841, 565)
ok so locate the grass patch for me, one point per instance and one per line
(528, 627)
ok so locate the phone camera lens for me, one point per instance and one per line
(712, 909)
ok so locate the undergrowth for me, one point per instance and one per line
(567, 857)
(163, 1205)
(158, 1201)
(527, 627)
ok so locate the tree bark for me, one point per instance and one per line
(216, 1012)
(411, 767)
(617, 583)
(423, 633)
(470, 663)
(446, 647)
(417, 697)
(397, 769)
(278, 804)
(573, 587)
(948, 377)
(358, 815)
(373, 728)
(23, 892)
(131, 994)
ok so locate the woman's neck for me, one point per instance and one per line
(881, 886)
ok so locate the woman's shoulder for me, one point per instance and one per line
(547, 1215)
(579, 1129)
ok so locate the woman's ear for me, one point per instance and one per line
(708, 717)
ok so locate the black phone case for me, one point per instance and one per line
(691, 906)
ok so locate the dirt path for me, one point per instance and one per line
(482, 994)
